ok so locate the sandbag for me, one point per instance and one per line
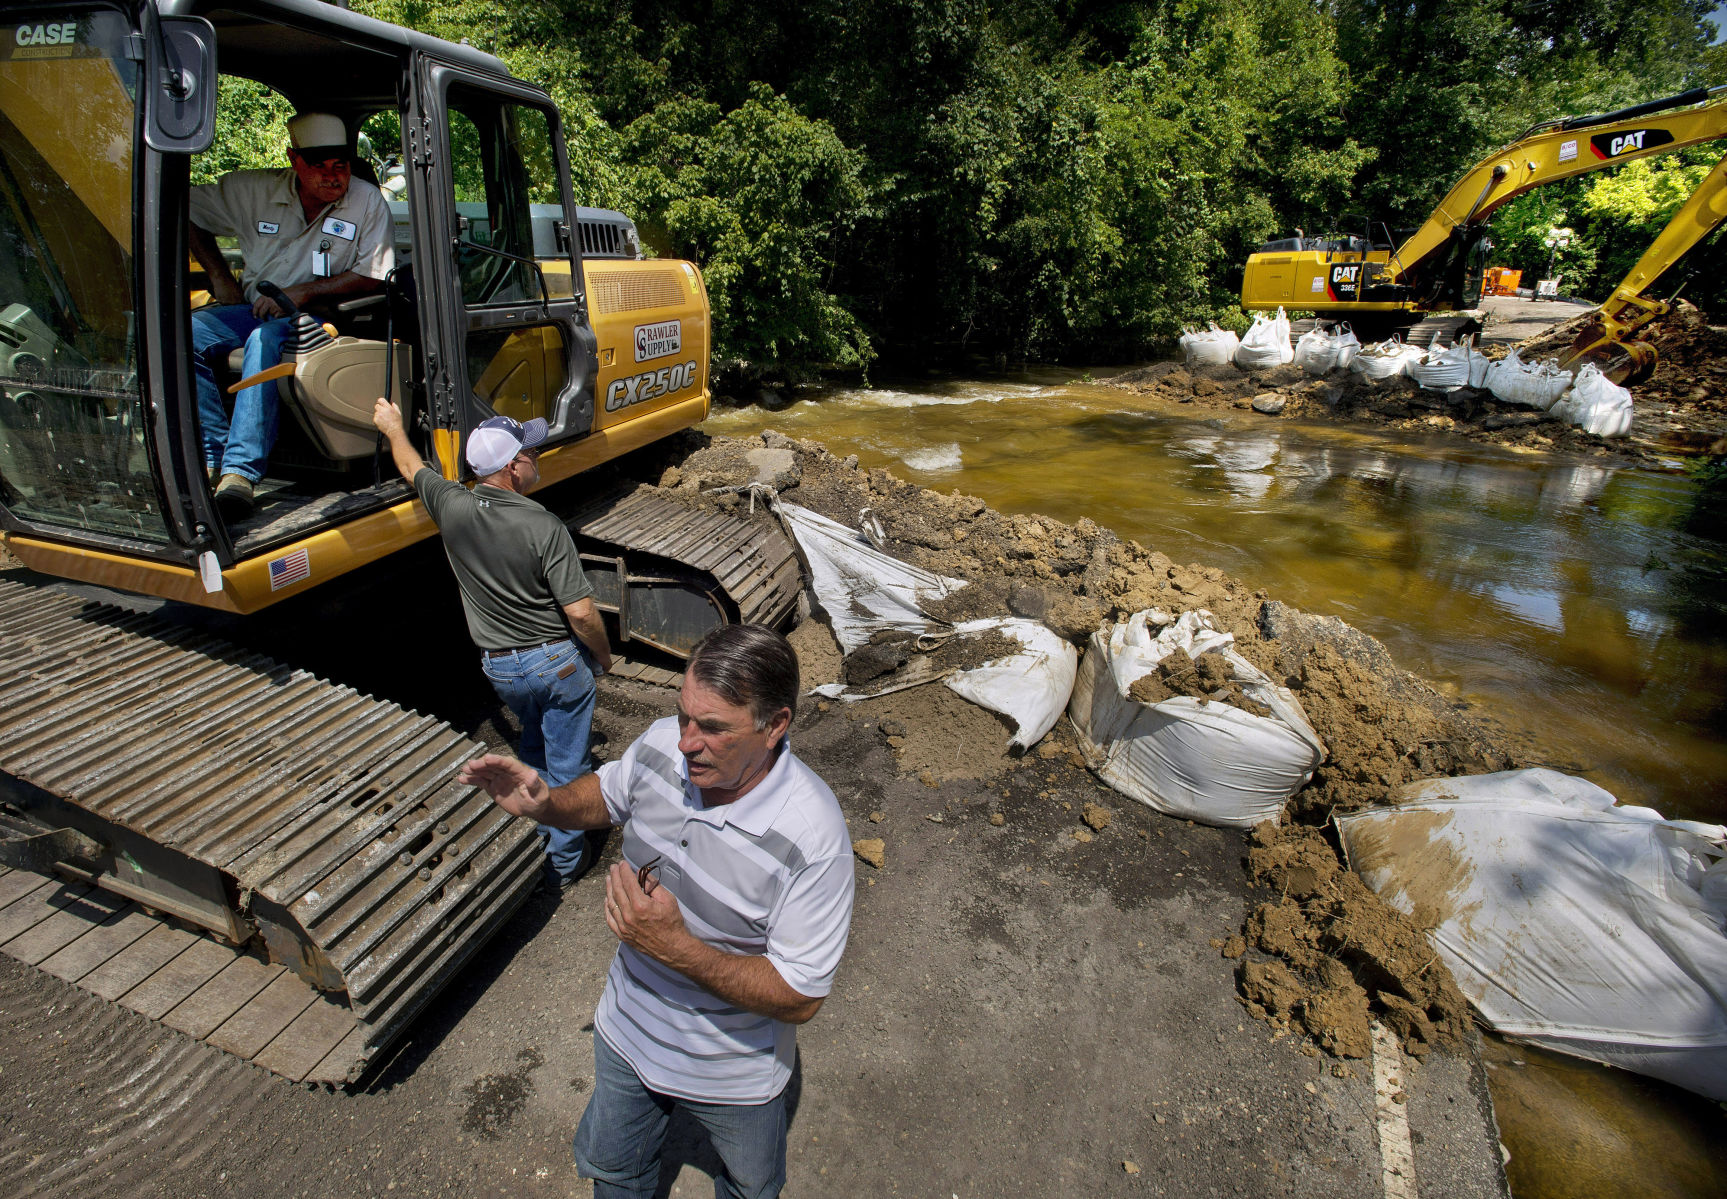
(864, 591)
(1383, 359)
(1210, 347)
(1595, 404)
(1266, 344)
(1206, 761)
(1529, 384)
(1348, 346)
(1031, 687)
(1440, 369)
(1316, 350)
(1581, 926)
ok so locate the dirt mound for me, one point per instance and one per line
(892, 649)
(1680, 409)
(1341, 954)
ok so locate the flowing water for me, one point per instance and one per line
(1579, 608)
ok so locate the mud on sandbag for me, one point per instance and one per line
(1212, 762)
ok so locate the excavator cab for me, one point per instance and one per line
(502, 294)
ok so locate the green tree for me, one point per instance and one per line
(762, 199)
(542, 42)
(251, 130)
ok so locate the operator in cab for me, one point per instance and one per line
(315, 232)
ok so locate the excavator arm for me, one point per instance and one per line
(1548, 153)
(1608, 339)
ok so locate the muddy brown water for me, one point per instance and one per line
(1577, 606)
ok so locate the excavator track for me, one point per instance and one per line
(1448, 327)
(275, 864)
(670, 571)
(268, 862)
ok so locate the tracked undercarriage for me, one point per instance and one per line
(273, 863)
(1369, 327)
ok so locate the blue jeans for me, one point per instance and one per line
(241, 444)
(556, 715)
(618, 1141)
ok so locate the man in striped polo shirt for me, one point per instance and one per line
(732, 907)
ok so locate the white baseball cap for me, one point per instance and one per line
(316, 136)
(496, 442)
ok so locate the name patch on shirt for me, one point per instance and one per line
(342, 229)
(268, 227)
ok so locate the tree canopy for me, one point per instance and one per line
(1064, 180)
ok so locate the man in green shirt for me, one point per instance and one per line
(524, 592)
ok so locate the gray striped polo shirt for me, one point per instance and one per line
(769, 874)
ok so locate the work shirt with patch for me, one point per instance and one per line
(769, 874)
(515, 562)
(262, 210)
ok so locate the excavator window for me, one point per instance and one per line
(72, 444)
(507, 199)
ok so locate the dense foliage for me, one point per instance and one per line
(1063, 179)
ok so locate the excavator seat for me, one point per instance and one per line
(334, 386)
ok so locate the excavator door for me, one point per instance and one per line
(500, 266)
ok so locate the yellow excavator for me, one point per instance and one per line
(269, 862)
(1369, 278)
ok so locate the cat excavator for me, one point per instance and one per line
(266, 861)
(1370, 278)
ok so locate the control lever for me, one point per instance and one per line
(267, 288)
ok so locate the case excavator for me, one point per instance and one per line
(1371, 279)
(264, 860)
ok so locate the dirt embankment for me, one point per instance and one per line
(1327, 952)
(1681, 409)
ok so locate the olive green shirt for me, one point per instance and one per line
(515, 562)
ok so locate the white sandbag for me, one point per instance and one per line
(1316, 351)
(1210, 347)
(1440, 369)
(1348, 346)
(1583, 927)
(1030, 688)
(1595, 404)
(864, 591)
(1529, 384)
(1266, 344)
(1383, 359)
(1202, 760)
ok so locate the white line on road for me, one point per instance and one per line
(1396, 1154)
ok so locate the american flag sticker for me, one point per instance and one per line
(285, 572)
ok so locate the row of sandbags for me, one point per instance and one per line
(1587, 399)
(1265, 345)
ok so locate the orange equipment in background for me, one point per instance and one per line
(1502, 281)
